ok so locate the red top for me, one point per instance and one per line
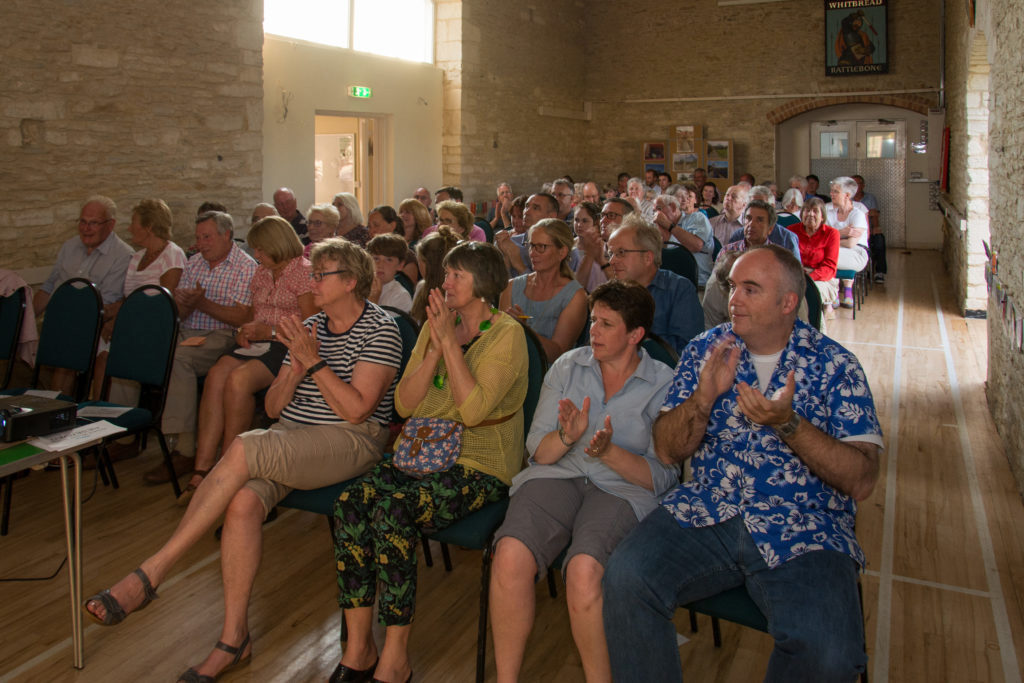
(819, 251)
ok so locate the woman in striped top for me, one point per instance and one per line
(334, 395)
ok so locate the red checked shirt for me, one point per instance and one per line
(273, 301)
(227, 284)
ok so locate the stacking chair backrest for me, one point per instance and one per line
(12, 312)
(71, 331)
(538, 367)
(813, 297)
(659, 349)
(680, 261)
(142, 345)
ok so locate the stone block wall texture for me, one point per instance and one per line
(1006, 168)
(128, 99)
(748, 60)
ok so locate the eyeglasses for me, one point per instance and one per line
(320, 276)
(538, 247)
(611, 214)
(318, 223)
(92, 225)
(621, 253)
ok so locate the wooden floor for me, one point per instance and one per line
(943, 532)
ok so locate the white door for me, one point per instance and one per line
(874, 149)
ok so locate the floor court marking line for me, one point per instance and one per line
(880, 673)
(935, 584)
(852, 342)
(58, 648)
(1007, 652)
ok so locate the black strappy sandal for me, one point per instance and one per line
(193, 676)
(115, 614)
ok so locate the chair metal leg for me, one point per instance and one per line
(168, 462)
(8, 484)
(104, 454)
(446, 557)
(428, 557)
(481, 635)
(693, 621)
(716, 631)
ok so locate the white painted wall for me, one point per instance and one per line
(315, 79)
(792, 144)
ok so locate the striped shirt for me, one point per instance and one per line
(373, 338)
(226, 284)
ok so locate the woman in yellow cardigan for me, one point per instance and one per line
(470, 365)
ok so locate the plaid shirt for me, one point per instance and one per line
(226, 284)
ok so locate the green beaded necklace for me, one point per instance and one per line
(485, 325)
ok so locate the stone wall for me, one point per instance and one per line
(597, 65)
(503, 63)
(128, 99)
(1006, 169)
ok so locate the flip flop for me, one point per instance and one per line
(115, 614)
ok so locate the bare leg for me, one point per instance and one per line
(210, 501)
(211, 414)
(394, 659)
(241, 547)
(360, 650)
(585, 599)
(239, 398)
(512, 605)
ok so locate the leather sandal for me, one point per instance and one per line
(193, 676)
(114, 613)
(189, 491)
(346, 674)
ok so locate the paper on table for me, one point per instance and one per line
(255, 349)
(42, 392)
(103, 411)
(76, 437)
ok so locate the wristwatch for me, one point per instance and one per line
(788, 428)
(315, 367)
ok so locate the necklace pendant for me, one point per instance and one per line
(439, 381)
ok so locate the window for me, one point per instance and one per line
(881, 145)
(835, 145)
(392, 28)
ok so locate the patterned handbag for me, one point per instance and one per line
(429, 444)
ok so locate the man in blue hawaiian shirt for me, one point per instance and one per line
(781, 427)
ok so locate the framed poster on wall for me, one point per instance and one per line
(856, 37)
(719, 162)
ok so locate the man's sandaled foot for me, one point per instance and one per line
(239, 659)
(113, 611)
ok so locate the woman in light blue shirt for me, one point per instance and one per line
(593, 476)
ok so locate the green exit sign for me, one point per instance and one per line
(360, 91)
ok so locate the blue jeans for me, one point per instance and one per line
(811, 602)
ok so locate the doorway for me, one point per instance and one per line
(350, 155)
(874, 149)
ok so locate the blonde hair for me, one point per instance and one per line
(349, 256)
(276, 238)
(420, 215)
(561, 235)
(431, 251)
(461, 214)
(155, 215)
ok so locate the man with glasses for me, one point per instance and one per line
(634, 253)
(213, 300)
(588, 260)
(562, 191)
(97, 254)
(513, 244)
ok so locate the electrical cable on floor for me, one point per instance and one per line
(95, 481)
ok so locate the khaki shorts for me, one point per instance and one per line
(547, 515)
(291, 455)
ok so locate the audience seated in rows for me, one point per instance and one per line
(819, 252)
(777, 234)
(280, 289)
(350, 219)
(456, 216)
(513, 244)
(389, 252)
(214, 298)
(470, 366)
(333, 395)
(781, 451)
(549, 299)
(593, 475)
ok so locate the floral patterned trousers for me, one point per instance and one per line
(377, 526)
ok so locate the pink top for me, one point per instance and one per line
(171, 257)
(273, 301)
